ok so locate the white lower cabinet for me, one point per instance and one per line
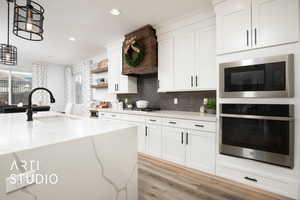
(200, 152)
(185, 142)
(154, 140)
(174, 145)
(194, 149)
(141, 136)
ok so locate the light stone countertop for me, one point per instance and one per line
(16, 134)
(167, 114)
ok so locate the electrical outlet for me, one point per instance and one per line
(18, 181)
(176, 101)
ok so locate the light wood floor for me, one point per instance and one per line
(162, 181)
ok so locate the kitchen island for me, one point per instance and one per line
(66, 157)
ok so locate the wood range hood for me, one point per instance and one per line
(147, 36)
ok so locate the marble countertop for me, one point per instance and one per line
(48, 128)
(168, 114)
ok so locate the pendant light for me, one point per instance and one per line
(8, 53)
(29, 20)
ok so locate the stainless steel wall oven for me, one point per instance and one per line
(270, 77)
(258, 132)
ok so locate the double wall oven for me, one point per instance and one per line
(261, 132)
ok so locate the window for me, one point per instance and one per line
(78, 88)
(14, 87)
(21, 85)
(4, 89)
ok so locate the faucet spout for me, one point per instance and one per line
(29, 109)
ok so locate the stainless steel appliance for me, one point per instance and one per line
(259, 132)
(269, 77)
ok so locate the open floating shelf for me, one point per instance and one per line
(99, 86)
(102, 66)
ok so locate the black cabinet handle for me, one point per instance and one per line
(146, 131)
(181, 137)
(250, 179)
(187, 138)
(255, 36)
(196, 81)
(117, 87)
(200, 126)
(247, 37)
(172, 122)
(192, 81)
(152, 120)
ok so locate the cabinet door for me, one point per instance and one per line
(165, 64)
(113, 69)
(154, 140)
(275, 22)
(201, 151)
(141, 136)
(206, 67)
(174, 145)
(233, 26)
(119, 83)
(184, 60)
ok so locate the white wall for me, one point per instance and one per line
(56, 84)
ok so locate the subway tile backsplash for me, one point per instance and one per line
(147, 90)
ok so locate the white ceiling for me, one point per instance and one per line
(90, 22)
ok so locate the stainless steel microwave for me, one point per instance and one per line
(270, 77)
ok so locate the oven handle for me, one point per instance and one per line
(258, 117)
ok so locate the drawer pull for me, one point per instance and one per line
(250, 179)
(172, 122)
(181, 137)
(152, 120)
(146, 131)
(187, 138)
(113, 115)
(199, 126)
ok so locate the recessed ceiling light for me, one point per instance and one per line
(72, 39)
(115, 12)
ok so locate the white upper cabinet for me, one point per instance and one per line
(233, 26)
(184, 60)
(187, 58)
(275, 22)
(165, 63)
(247, 24)
(206, 70)
(118, 83)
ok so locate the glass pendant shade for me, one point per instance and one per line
(28, 20)
(8, 55)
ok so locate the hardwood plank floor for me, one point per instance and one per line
(163, 181)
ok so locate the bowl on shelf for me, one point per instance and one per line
(142, 104)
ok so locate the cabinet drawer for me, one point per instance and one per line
(114, 115)
(174, 122)
(279, 186)
(102, 115)
(202, 126)
(189, 124)
(154, 120)
(133, 118)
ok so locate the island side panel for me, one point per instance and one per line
(97, 167)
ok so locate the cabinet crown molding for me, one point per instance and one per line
(186, 20)
(215, 2)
